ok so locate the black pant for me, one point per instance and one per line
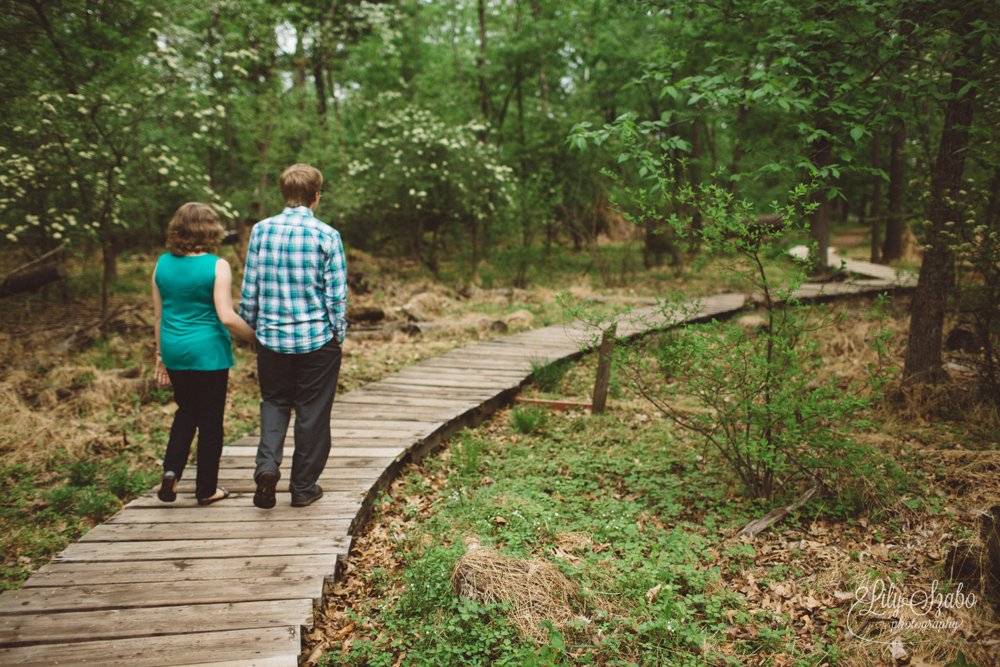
(201, 405)
(307, 382)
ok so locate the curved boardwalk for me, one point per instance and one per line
(234, 586)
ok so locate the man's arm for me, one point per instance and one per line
(335, 287)
(249, 305)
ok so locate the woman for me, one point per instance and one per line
(192, 308)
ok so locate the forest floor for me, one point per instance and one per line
(637, 518)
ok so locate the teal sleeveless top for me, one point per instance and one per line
(191, 336)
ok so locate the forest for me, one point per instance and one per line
(481, 147)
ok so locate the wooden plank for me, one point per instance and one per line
(160, 512)
(223, 530)
(234, 463)
(446, 370)
(240, 467)
(243, 447)
(450, 393)
(397, 412)
(175, 549)
(131, 623)
(369, 396)
(415, 431)
(477, 363)
(469, 382)
(330, 483)
(94, 597)
(259, 647)
(369, 425)
(194, 569)
(245, 501)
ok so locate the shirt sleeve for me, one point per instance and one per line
(249, 304)
(335, 287)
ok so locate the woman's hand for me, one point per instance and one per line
(160, 373)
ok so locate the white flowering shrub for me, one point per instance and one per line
(426, 186)
(85, 165)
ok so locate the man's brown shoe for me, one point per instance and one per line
(264, 496)
(316, 494)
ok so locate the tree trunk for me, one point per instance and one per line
(892, 247)
(481, 68)
(937, 273)
(109, 255)
(875, 214)
(819, 227)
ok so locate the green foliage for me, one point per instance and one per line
(645, 508)
(427, 184)
(754, 395)
(529, 419)
(469, 453)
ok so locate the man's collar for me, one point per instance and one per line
(299, 210)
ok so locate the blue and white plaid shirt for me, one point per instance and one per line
(295, 283)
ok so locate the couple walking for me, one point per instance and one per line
(292, 316)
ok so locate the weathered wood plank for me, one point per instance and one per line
(131, 596)
(248, 447)
(245, 501)
(453, 381)
(171, 513)
(331, 482)
(193, 569)
(259, 647)
(131, 623)
(231, 465)
(223, 530)
(175, 549)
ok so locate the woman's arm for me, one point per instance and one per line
(224, 305)
(160, 371)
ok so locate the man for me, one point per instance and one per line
(294, 296)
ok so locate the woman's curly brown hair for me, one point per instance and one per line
(195, 228)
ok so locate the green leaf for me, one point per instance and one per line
(857, 133)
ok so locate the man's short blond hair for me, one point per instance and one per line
(299, 184)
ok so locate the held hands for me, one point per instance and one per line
(160, 372)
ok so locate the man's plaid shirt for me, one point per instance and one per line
(295, 283)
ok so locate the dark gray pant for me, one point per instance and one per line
(308, 383)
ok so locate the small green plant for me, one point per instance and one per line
(548, 376)
(96, 504)
(82, 473)
(126, 484)
(529, 419)
(469, 453)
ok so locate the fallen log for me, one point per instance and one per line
(758, 525)
(29, 280)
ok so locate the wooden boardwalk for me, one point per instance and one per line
(231, 585)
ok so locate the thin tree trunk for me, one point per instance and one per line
(481, 68)
(892, 247)
(937, 272)
(819, 227)
(875, 214)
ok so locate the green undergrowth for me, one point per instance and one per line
(630, 515)
(46, 507)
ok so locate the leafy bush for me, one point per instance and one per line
(754, 395)
(424, 184)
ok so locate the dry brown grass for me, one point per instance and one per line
(534, 590)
